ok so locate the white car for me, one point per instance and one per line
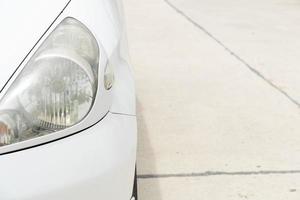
(67, 103)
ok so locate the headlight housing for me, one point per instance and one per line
(57, 87)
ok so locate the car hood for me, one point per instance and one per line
(22, 25)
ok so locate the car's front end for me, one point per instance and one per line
(67, 102)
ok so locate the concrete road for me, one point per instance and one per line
(218, 93)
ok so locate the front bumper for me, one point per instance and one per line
(95, 164)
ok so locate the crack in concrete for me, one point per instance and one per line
(252, 69)
(217, 173)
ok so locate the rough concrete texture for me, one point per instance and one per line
(218, 98)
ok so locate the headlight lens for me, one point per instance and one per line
(56, 88)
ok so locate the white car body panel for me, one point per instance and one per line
(94, 159)
(92, 165)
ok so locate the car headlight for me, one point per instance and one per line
(57, 87)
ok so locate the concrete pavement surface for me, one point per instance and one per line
(218, 98)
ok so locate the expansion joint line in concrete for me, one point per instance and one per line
(217, 173)
(246, 64)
